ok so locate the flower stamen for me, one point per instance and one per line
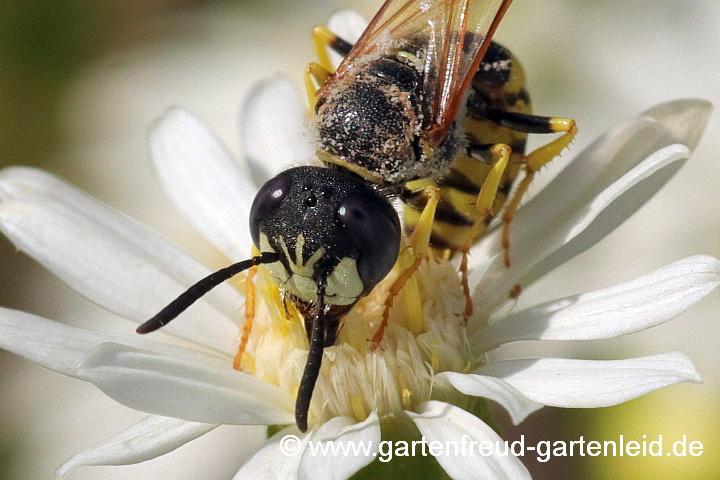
(358, 409)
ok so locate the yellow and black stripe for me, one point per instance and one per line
(498, 112)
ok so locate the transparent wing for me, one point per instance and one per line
(454, 34)
(459, 36)
(396, 20)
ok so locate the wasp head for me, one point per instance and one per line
(328, 227)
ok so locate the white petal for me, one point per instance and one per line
(453, 426)
(611, 312)
(562, 382)
(348, 25)
(517, 405)
(603, 186)
(340, 448)
(61, 348)
(273, 129)
(289, 455)
(685, 118)
(541, 242)
(203, 181)
(111, 270)
(176, 386)
(150, 438)
(49, 344)
(276, 458)
(35, 186)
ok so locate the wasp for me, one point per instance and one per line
(424, 107)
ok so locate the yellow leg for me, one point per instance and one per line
(249, 317)
(534, 162)
(315, 76)
(409, 261)
(318, 72)
(499, 157)
(322, 37)
(420, 238)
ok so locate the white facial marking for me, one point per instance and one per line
(276, 269)
(344, 283)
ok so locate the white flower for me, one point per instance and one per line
(183, 375)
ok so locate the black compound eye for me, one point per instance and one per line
(268, 198)
(372, 225)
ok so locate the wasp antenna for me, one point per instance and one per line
(312, 367)
(192, 294)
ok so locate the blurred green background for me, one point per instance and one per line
(82, 80)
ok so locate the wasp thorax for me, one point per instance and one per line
(330, 228)
(372, 119)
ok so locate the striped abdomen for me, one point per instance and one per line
(499, 85)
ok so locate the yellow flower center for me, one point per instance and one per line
(355, 378)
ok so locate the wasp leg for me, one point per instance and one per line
(318, 72)
(249, 317)
(249, 314)
(499, 158)
(535, 160)
(526, 123)
(408, 262)
(322, 37)
(315, 76)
